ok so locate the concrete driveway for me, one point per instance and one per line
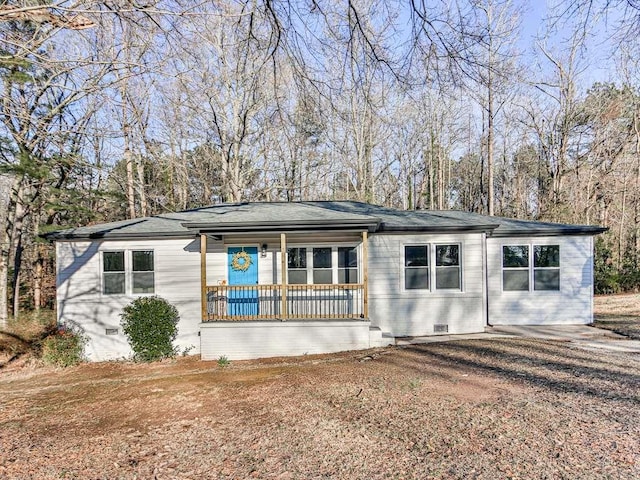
(582, 336)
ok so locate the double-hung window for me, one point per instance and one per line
(347, 265)
(322, 265)
(297, 265)
(128, 272)
(515, 267)
(416, 267)
(446, 267)
(517, 271)
(113, 273)
(546, 267)
(142, 276)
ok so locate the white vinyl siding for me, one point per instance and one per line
(411, 312)
(81, 301)
(571, 304)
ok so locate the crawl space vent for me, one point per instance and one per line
(111, 331)
(440, 328)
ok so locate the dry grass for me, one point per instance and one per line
(619, 313)
(482, 409)
(505, 408)
(20, 343)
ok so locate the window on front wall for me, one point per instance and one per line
(515, 267)
(347, 265)
(517, 272)
(546, 267)
(142, 276)
(297, 265)
(113, 273)
(448, 267)
(416, 267)
(128, 272)
(322, 265)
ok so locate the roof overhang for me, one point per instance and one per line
(439, 229)
(66, 235)
(551, 232)
(307, 226)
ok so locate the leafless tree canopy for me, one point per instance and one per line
(116, 109)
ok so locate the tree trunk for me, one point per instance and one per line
(16, 281)
(37, 280)
(8, 188)
(430, 170)
(17, 228)
(131, 202)
(141, 187)
(490, 159)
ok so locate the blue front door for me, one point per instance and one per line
(243, 270)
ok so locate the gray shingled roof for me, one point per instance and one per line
(511, 227)
(322, 215)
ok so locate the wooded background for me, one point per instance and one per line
(122, 109)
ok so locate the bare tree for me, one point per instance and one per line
(492, 75)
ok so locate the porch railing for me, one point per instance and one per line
(302, 302)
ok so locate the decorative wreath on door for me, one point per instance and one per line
(241, 261)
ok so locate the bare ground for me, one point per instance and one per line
(502, 408)
(475, 409)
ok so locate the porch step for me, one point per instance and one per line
(378, 338)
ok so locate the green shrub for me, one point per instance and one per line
(64, 348)
(151, 326)
(223, 361)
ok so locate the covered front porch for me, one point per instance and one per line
(240, 293)
(252, 308)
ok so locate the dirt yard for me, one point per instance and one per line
(475, 409)
(490, 409)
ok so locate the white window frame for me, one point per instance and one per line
(531, 268)
(428, 266)
(102, 272)
(132, 272)
(432, 269)
(515, 269)
(128, 272)
(334, 261)
(534, 268)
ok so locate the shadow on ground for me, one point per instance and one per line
(628, 325)
(543, 364)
